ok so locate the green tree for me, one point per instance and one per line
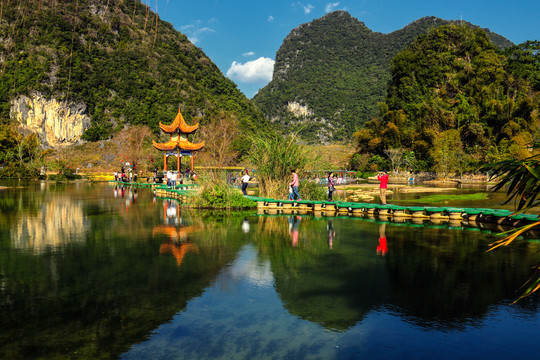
(454, 78)
(524, 61)
(447, 152)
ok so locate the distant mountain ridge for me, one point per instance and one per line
(330, 74)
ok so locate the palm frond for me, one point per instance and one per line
(532, 285)
(513, 234)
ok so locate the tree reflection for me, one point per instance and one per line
(435, 277)
(108, 287)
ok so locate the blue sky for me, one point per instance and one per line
(242, 36)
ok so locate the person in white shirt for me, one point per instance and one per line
(245, 181)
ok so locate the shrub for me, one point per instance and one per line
(215, 193)
(312, 191)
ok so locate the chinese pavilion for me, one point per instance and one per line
(178, 144)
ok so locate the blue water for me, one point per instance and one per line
(97, 272)
(241, 316)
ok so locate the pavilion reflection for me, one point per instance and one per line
(178, 243)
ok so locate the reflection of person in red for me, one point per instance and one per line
(294, 221)
(382, 249)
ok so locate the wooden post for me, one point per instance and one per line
(165, 162)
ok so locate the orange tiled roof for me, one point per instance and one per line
(179, 251)
(182, 145)
(179, 123)
(174, 232)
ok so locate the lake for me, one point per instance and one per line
(93, 271)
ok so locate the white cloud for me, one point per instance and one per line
(307, 8)
(331, 7)
(270, 18)
(252, 72)
(249, 53)
(195, 32)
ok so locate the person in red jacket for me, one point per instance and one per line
(383, 178)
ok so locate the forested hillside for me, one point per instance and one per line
(115, 57)
(455, 102)
(331, 73)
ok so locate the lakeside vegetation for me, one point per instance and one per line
(455, 100)
(455, 103)
(119, 61)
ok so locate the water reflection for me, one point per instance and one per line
(106, 285)
(382, 248)
(424, 279)
(178, 243)
(58, 222)
(294, 221)
(331, 234)
(249, 286)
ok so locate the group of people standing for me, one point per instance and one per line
(331, 183)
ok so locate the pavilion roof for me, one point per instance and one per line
(174, 144)
(179, 123)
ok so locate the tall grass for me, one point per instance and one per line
(274, 157)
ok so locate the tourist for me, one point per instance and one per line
(331, 185)
(291, 195)
(245, 181)
(383, 178)
(294, 184)
(173, 179)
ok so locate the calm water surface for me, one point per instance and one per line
(97, 272)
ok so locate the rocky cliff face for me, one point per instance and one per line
(56, 123)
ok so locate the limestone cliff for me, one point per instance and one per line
(56, 123)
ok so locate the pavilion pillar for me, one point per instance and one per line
(178, 157)
(191, 157)
(165, 162)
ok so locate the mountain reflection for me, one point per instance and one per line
(59, 222)
(120, 272)
(108, 285)
(433, 277)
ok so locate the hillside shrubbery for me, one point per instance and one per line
(456, 102)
